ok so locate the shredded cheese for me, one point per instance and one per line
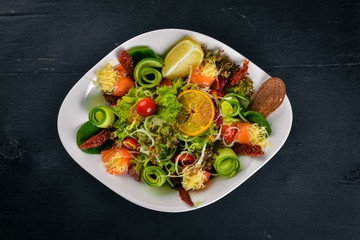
(193, 178)
(258, 136)
(107, 78)
(209, 69)
(116, 164)
(118, 168)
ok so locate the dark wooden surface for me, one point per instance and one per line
(309, 190)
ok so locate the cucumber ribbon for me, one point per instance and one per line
(146, 72)
(141, 52)
(147, 66)
(233, 104)
(101, 116)
(227, 163)
(154, 176)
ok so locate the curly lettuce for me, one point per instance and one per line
(167, 102)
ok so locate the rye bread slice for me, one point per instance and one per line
(268, 97)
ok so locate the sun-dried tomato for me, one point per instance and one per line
(166, 82)
(96, 140)
(111, 99)
(127, 62)
(240, 74)
(185, 196)
(252, 151)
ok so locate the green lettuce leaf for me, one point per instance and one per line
(168, 103)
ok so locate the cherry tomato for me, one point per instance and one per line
(184, 159)
(131, 143)
(146, 107)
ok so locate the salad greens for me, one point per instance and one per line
(155, 150)
(167, 101)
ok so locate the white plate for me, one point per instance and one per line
(84, 95)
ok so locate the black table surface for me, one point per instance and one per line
(309, 190)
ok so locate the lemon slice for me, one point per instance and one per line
(181, 58)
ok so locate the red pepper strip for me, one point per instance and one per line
(127, 62)
(96, 140)
(240, 74)
(185, 196)
(252, 151)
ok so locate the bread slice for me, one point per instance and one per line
(268, 97)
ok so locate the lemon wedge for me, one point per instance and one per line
(184, 56)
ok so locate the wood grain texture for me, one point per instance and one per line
(309, 190)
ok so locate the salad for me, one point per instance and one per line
(179, 119)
